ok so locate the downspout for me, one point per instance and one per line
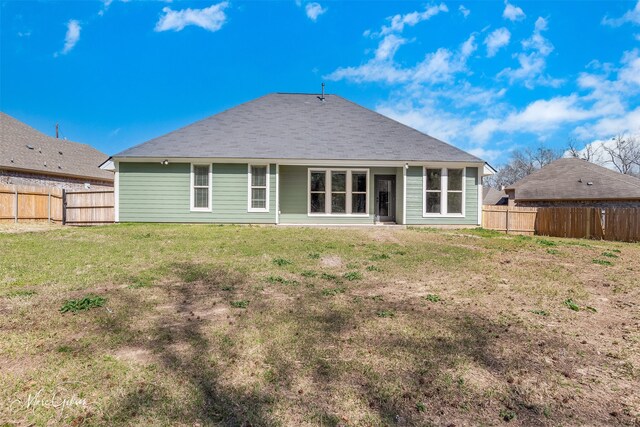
(404, 194)
(479, 198)
(277, 193)
(116, 192)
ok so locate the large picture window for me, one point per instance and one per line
(338, 191)
(258, 188)
(200, 187)
(443, 191)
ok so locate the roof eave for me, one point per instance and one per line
(57, 174)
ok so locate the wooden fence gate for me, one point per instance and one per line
(88, 207)
(27, 203)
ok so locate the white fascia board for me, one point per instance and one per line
(299, 162)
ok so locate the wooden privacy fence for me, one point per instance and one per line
(20, 203)
(26, 203)
(621, 224)
(509, 219)
(581, 223)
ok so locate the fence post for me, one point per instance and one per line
(49, 206)
(15, 219)
(507, 221)
(589, 214)
(64, 207)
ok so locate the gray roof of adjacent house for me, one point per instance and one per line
(299, 126)
(492, 196)
(575, 179)
(25, 149)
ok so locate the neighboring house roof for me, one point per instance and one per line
(26, 149)
(575, 179)
(491, 196)
(300, 126)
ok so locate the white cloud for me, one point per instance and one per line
(637, 37)
(398, 22)
(544, 114)
(388, 46)
(537, 41)
(426, 118)
(538, 117)
(512, 13)
(71, 37)
(425, 114)
(630, 71)
(486, 154)
(469, 46)
(496, 40)
(436, 67)
(533, 60)
(599, 110)
(465, 12)
(631, 16)
(314, 10)
(24, 33)
(609, 126)
(210, 18)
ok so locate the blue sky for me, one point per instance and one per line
(486, 76)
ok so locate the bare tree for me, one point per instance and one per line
(590, 152)
(521, 164)
(624, 154)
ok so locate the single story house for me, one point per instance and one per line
(29, 157)
(298, 159)
(574, 182)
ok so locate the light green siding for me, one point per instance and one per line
(415, 199)
(294, 197)
(151, 192)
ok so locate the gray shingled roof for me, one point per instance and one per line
(492, 196)
(299, 126)
(47, 155)
(568, 179)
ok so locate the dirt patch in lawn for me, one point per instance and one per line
(134, 355)
(331, 261)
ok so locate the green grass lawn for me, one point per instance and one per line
(224, 325)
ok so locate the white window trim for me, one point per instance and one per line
(327, 195)
(249, 187)
(444, 187)
(191, 192)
